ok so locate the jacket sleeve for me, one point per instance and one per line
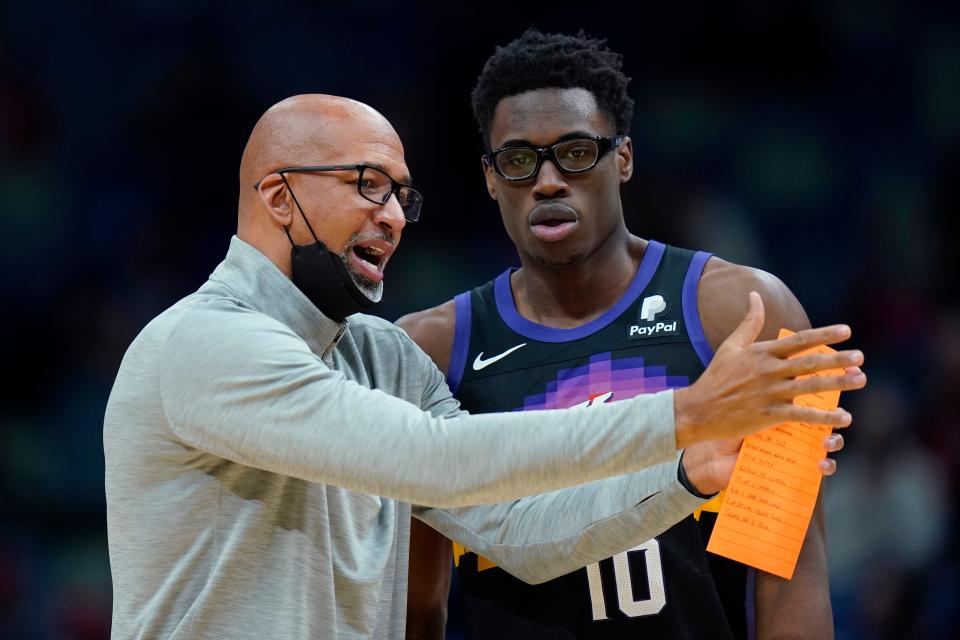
(235, 383)
(542, 537)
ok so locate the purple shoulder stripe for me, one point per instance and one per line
(691, 312)
(461, 341)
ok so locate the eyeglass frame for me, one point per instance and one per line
(604, 146)
(395, 186)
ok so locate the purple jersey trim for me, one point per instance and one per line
(529, 329)
(461, 341)
(750, 604)
(691, 313)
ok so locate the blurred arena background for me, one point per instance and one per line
(817, 140)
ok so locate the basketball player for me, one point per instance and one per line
(594, 315)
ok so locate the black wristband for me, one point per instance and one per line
(685, 481)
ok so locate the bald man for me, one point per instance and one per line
(262, 452)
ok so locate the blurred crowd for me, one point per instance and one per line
(817, 140)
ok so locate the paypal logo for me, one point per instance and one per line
(650, 308)
(652, 305)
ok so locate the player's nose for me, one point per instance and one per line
(550, 182)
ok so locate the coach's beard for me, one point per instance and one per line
(373, 291)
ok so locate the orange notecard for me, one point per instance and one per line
(769, 502)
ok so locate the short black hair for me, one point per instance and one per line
(539, 60)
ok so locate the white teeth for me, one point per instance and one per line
(370, 255)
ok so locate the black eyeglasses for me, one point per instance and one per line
(576, 155)
(373, 184)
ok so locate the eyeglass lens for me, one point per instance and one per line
(377, 186)
(573, 155)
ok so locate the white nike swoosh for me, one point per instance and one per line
(480, 363)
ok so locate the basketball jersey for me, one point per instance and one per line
(649, 341)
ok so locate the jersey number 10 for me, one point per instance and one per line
(621, 571)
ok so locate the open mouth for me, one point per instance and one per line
(369, 254)
(369, 257)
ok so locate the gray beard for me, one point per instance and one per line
(372, 290)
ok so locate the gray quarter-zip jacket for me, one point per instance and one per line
(261, 460)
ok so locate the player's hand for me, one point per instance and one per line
(751, 385)
(709, 465)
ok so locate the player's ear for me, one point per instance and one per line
(624, 156)
(488, 174)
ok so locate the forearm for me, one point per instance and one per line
(793, 609)
(800, 607)
(545, 536)
(426, 625)
(428, 584)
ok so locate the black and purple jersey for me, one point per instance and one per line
(650, 340)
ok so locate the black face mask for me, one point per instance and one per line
(323, 277)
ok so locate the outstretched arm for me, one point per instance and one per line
(542, 537)
(257, 395)
(797, 608)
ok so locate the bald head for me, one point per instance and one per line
(316, 129)
(307, 129)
